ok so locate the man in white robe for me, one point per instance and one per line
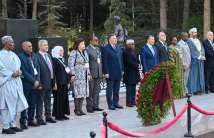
(186, 56)
(196, 83)
(12, 99)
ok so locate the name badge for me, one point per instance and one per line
(67, 70)
(35, 71)
(86, 65)
(98, 60)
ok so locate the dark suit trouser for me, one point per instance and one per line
(28, 115)
(130, 93)
(112, 92)
(209, 78)
(94, 90)
(45, 97)
(47, 102)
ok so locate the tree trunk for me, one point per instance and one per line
(163, 14)
(185, 13)
(91, 16)
(25, 9)
(4, 9)
(133, 15)
(34, 12)
(207, 13)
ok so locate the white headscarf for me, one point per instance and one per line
(55, 52)
(7, 39)
(193, 30)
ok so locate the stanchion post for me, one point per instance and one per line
(189, 133)
(92, 134)
(105, 123)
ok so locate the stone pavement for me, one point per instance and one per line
(79, 127)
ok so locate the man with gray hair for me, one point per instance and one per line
(209, 63)
(46, 80)
(12, 99)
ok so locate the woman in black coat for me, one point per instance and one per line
(60, 94)
(131, 72)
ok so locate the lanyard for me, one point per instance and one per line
(61, 62)
(85, 59)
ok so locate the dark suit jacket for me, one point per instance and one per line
(112, 62)
(95, 68)
(61, 76)
(45, 79)
(131, 67)
(27, 69)
(162, 52)
(209, 53)
(147, 59)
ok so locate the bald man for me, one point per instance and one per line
(31, 77)
(209, 63)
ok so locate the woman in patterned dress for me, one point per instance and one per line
(79, 65)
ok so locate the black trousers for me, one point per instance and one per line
(32, 97)
(209, 78)
(94, 90)
(130, 94)
(112, 92)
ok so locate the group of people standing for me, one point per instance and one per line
(192, 58)
(28, 80)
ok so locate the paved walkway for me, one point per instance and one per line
(79, 127)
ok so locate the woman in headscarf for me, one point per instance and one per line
(61, 101)
(78, 62)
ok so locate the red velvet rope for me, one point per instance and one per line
(102, 131)
(197, 108)
(159, 130)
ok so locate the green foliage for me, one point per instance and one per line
(117, 8)
(147, 111)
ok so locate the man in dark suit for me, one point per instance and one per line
(95, 65)
(162, 47)
(112, 69)
(31, 84)
(149, 54)
(209, 62)
(47, 79)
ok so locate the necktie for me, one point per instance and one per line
(153, 52)
(49, 64)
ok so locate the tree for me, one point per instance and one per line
(207, 13)
(50, 15)
(185, 13)
(163, 14)
(4, 9)
(34, 11)
(117, 8)
(91, 16)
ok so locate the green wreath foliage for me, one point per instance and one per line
(149, 113)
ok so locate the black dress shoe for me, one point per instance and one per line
(41, 122)
(16, 129)
(50, 120)
(112, 108)
(118, 106)
(66, 118)
(33, 124)
(98, 109)
(82, 113)
(59, 118)
(129, 105)
(90, 111)
(8, 131)
(23, 126)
